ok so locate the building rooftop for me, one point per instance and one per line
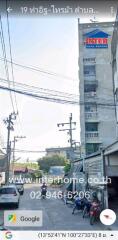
(96, 24)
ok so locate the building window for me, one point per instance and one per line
(85, 60)
(90, 108)
(91, 127)
(90, 88)
(92, 147)
(89, 70)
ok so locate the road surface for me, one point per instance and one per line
(56, 215)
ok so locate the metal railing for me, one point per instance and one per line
(90, 94)
(91, 82)
(89, 76)
(91, 115)
(92, 134)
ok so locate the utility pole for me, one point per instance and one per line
(9, 123)
(14, 145)
(77, 148)
(70, 132)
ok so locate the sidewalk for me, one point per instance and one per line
(98, 225)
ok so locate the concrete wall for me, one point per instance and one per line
(112, 164)
(94, 168)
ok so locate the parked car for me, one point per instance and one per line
(9, 195)
(20, 187)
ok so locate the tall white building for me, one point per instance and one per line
(115, 67)
(97, 111)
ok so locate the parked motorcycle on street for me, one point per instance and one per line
(95, 211)
(86, 210)
(79, 204)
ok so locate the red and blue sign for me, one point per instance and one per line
(96, 39)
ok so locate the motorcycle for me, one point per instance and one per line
(79, 204)
(86, 210)
(94, 212)
(43, 192)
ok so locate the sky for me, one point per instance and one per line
(49, 43)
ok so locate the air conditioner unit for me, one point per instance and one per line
(93, 93)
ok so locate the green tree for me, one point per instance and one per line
(36, 174)
(33, 166)
(67, 167)
(48, 161)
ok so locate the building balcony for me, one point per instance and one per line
(91, 116)
(92, 137)
(90, 95)
(88, 77)
(91, 82)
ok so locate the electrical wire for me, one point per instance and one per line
(5, 59)
(41, 90)
(28, 151)
(52, 99)
(49, 92)
(10, 51)
(37, 69)
(65, 99)
(39, 97)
